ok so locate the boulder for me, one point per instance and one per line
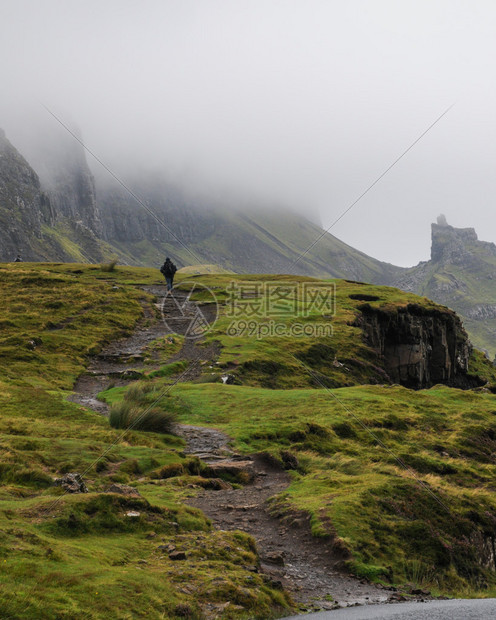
(72, 483)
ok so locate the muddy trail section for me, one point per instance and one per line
(127, 359)
(291, 558)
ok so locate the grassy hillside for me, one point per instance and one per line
(403, 480)
(85, 555)
(75, 556)
(364, 495)
(470, 290)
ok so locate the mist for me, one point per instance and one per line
(294, 103)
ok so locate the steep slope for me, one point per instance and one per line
(65, 217)
(248, 238)
(462, 275)
(23, 206)
(54, 217)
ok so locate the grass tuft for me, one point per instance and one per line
(109, 267)
(138, 411)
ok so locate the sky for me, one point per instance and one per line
(304, 103)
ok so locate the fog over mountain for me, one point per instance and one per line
(296, 103)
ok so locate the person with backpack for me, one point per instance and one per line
(168, 270)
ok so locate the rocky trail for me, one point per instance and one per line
(124, 360)
(291, 557)
(307, 567)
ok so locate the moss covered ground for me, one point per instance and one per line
(405, 480)
(86, 555)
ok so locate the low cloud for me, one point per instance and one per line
(303, 104)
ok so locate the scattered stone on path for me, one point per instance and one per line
(275, 557)
(239, 469)
(177, 555)
(123, 489)
(72, 483)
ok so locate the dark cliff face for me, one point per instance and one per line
(30, 208)
(461, 274)
(419, 347)
(23, 206)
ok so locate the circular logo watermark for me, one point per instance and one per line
(190, 312)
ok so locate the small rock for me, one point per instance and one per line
(275, 558)
(151, 535)
(275, 583)
(177, 555)
(123, 489)
(242, 469)
(419, 592)
(133, 514)
(72, 483)
(289, 460)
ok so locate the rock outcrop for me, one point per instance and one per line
(23, 206)
(43, 217)
(419, 347)
(461, 274)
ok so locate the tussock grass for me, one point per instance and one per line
(128, 415)
(109, 267)
(145, 408)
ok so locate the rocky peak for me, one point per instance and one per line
(456, 245)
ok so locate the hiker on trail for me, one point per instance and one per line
(18, 259)
(168, 269)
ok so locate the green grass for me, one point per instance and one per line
(75, 556)
(138, 410)
(82, 556)
(378, 510)
(340, 359)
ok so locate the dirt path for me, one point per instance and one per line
(290, 556)
(123, 361)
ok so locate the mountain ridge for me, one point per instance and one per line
(63, 214)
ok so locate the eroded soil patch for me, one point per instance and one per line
(303, 565)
